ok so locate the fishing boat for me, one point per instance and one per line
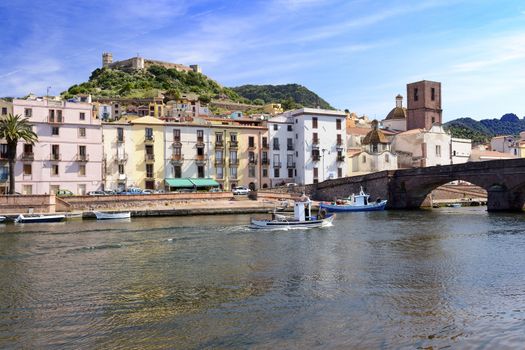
(356, 202)
(302, 218)
(26, 219)
(112, 215)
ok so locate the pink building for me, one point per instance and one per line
(68, 154)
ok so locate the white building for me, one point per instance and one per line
(307, 146)
(460, 150)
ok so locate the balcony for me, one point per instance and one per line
(339, 144)
(55, 157)
(149, 158)
(27, 156)
(315, 142)
(252, 161)
(177, 159)
(289, 147)
(82, 157)
(251, 147)
(200, 143)
(177, 143)
(234, 162)
(265, 161)
(276, 147)
(55, 119)
(120, 139)
(340, 158)
(201, 160)
(316, 157)
(121, 158)
(149, 139)
(219, 162)
(233, 144)
(265, 146)
(219, 144)
(276, 164)
(290, 165)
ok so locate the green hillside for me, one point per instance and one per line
(289, 95)
(483, 130)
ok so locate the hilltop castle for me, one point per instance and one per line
(136, 63)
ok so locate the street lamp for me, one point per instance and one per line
(323, 150)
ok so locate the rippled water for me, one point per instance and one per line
(423, 279)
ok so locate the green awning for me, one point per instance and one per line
(204, 182)
(179, 183)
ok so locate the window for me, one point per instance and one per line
(265, 142)
(276, 172)
(55, 152)
(387, 158)
(82, 151)
(251, 171)
(82, 170)
(59, 116)
(28, 148)
(149, 170)
(27, 169)
(315, 138)
(4, 110)
(251, 141)
(82, 116)
(364, 159)
(81, 132)
(233, 173)
(289, 128)
(200, 152)
(438, 151)
(433, 94)
(276, 144)
(289, 144)
(219, 173)
(177, 171)
(433, 120)
(218, 137)
(55, 130)
(265, 172)
(314, 122)
(276, 161)
(121, 169)
(316, 173)
(200, 135)
(28, 112)
(339, 172)
(338, 124)
(251, 157)
(54, 170)
(374, 147)
(233, 138)
(176, 135)
(275, 127)
(339, 140)
(149, 133)
(200, 171)
(120, 134)
(218, 156)
(289, 161)
(27, 189)
(296, 121)
(416, 97)
(290, 173)
(233, 155)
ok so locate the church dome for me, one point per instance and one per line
(397, 113)
(375, 136)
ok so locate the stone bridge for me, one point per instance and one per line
(504, 181)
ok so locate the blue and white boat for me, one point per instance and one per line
(26, 219)
(356, 202)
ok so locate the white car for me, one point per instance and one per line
(241, 190)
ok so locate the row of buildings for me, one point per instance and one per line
(81, 150)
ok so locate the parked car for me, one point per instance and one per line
(215, 189)
(132, 190)
(241, 190)
(63, 193)
(96, 193)
(110, 192)
(148, 191)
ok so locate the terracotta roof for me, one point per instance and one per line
(397, 113)
(357, 131)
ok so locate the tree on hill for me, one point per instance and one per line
(12, 129)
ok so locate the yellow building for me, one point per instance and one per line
(273, 108)
(147, 157)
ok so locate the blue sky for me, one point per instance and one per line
(355, 54)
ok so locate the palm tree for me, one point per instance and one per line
(12, 129)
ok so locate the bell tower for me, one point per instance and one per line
(423, 104)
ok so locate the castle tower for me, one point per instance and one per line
(423, 104)
(107, 59)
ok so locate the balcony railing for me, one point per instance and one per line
(265, 146)
(276, 146)
(121, 158)
(27, 156)
(251, 147)
(200, 143)
(233, 144)
(120, 139)
(276, 164)
(265, 161)
(289, 147)
(219, 162)
(252, 161)
(219, 144)
(55, 119)
(149, 157)
(177, 158)
(82, 157)
(177, 143)
(200, 159)
(149, 139)
(234, 162)
(290, 164)
(316, 141)
(316, 157)
(340, 158)
(55, 156)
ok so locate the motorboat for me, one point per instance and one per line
(2, 219)
(454, 205)
(356, 202)
(302, 218)
(112, 215)
(26, 219)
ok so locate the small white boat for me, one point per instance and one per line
(26, 219)
(112, 215)
(454, 205)
(356, 202)
(2, 219)
(302, 218)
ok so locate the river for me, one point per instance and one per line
(394, 279)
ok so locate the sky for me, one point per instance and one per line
(357, 55)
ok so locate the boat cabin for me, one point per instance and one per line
(303, 210)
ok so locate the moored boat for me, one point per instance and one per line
(26, 219)
(302, 218)
(2, 219)
(112, 215)
(356, 202)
